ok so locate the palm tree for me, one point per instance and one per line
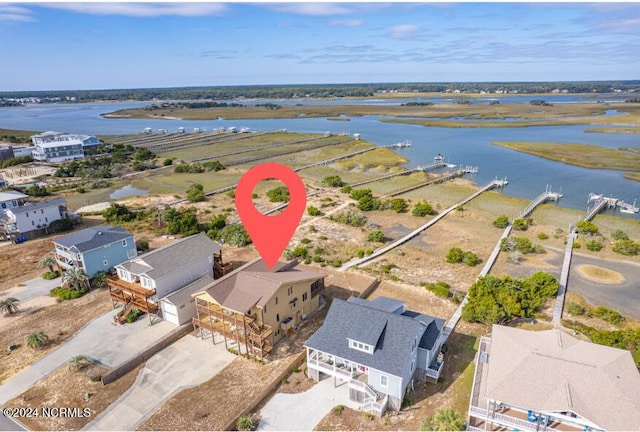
(75, 278)
(9, 305)
(47, 261)
(37, 340)
(447, 419)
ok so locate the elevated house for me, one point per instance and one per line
(32, 219)
(143, 281)
(252, 308)
(11, 198)
(379, 347)
(95, 249)
(55, 146)
(549, 380)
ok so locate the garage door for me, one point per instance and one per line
(169, 313)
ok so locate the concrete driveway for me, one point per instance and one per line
(303, 411)
(187, 363)
(33, 288)
(100, 339)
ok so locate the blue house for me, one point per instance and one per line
(95, 249)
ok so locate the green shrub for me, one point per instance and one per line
(360, 253)
(585, 227)
(609, 315)
(346, 189)
(50, 275)
(99, 280)
(338, 409)
(132, 316)
(594, 245)
(440, 289)
(521, 224)
(376, 236)
(300, 252)
(80, 189)
(231, 193)
(349, 217)
(369, 252)
(520, 244)
(142, 245)
(313, 211)
(542, 236)
(305, 241)
(195, 193)
(278, 194)
(333, 181)
(469, 258)
(626, 247)
(455, 255)
(317, 258)
(67, 293)
(422, 209)
(399, 205)
(335, 262)
(501, 222)
(575, 309)
(244, 423)
(359, 194)
(235, 235)
(619, 235)
(167, 162)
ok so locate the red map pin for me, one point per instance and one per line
(271, 234)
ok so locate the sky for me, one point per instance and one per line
(66, 46)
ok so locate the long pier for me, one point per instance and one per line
(449, 176)
(412, 234)
(422, 168)
(453, 321)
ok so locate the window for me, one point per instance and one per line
(27, 214)
(33, 222)
(293, 305)
(290, 291)
(276, 299)
(46, 219)
(264, 310)
(278, 332)
(384, 381)
(124, 243)
(278, 317)
(361, 346)
(304, 296)
(131, 253)
(105, 262)
(41, 211)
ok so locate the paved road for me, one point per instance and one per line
(100, 340)
(303, 411)
(186, 363)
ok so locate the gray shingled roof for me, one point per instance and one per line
(37, 206)
(392, 353)
(93, 237)
(11, 195)
(434, 327)
(173, 257)
(183, 295)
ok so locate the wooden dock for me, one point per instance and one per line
(412, 234)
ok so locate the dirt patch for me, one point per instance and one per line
(72, 389)
(19, 262)
(297, 382)
(27, 308)
(59, 321)
(600, 274)
(216, 403)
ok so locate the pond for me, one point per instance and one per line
(127, 191)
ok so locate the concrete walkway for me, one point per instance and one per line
(100, 339)
(188, 362)
(303, 411)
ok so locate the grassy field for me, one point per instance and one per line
(579, 113)
(613, 130)
(583, 155)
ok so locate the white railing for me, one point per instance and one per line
(435, 373)
(505, 420)
(329, 368)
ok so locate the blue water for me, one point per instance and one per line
(528, 175)
(127, 191)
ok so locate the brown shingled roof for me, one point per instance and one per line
(254, 284)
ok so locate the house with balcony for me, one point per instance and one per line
(549, 380)
(143, 281)
(32, 219)
(95, 249)
(252, 308)
(378, 347)
(11, 198)
(54, 146)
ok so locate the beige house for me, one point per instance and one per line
(252, 308)
(549, 380)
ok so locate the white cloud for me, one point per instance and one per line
(312, 9)
(142, 10)
(346, 23)
(403, 31)
(15, 13)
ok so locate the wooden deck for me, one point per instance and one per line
(125, 292)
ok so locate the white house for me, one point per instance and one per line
(143, 281)
(55, 146)
(31, 219)
(379, 347)
(11, 198)
(21, 151)
(179, 307)
(549, 380)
